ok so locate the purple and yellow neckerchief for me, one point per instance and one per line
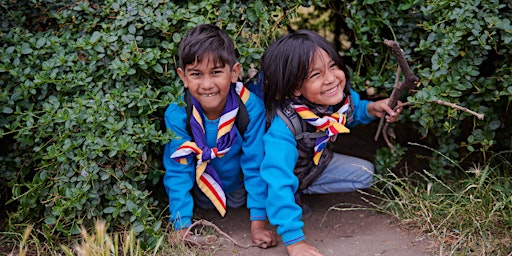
(331, 124)
(206, 176)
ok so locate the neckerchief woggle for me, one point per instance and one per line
(206, 176)
(332, 125)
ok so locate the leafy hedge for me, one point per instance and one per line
(84, 85)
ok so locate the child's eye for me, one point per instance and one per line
(313, 75)
(195, 74)
(216, 72)
(333, 65)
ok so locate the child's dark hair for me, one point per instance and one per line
(206, 40)
(286, 63)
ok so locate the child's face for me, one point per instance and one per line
(209, 83)
(324, 82)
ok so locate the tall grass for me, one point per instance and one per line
(96, 242)
(468, 215)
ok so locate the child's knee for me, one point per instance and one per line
(367, 171)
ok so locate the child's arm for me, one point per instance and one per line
(179, 178)
(277, 168)
(251, 159)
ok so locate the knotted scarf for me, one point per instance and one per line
(206, 176)
(331, 124)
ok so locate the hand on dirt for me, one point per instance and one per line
(302, 249)
(379, 108)
(261, 236)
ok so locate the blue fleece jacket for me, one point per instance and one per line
(241, 165)
(277, 168)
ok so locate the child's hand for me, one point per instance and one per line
(379, 108)
(261, 235)
(302, 249)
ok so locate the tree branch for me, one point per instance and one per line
(408, 84)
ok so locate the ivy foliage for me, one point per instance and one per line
(84, 85)
(461, 51)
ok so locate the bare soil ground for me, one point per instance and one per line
(333, 232)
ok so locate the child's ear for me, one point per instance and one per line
(297, 93)
(235, 71)
(181, 74)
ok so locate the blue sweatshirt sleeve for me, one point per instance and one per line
(252, 156)
(277, 168)
(179, 178)
(360, 114)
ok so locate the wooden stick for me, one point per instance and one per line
(207, 223)
(381, 122)
(408, 84)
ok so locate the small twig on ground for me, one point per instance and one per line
(199, 241)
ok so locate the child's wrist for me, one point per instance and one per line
(255, 224)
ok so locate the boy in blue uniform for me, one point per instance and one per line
(305, 78)
(210, 163)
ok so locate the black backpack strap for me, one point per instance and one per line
(291, 119)
(296, 124)
(242, 118)
(188, 108)
(241, 121)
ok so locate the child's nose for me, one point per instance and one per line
(330, 77)
(207, 82)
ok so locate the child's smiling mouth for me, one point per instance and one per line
(332, 90)
(209, 94)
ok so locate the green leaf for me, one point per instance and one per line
(494, 125)
(95, 37)
(132, 29)
(7, 110)
(109, 210)
(111, 39)
(25, 49)
(158, 68)
(403, 7)
(138, 227)
(454, 93)
(50, 220)
(41, 42)
(176, 37)
(99, 48)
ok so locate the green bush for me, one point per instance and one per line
(84, 85)
(461, 51)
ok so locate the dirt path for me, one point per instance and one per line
(354, 232)
(347, 233)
